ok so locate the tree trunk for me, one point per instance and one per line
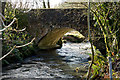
(48, 3)
(44, 6)
(3, 7)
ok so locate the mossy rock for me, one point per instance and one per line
(73, 38)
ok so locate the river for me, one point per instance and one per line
(71, 61)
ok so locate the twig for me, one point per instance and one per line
(13, 29)
(90, 67)
(2, 22)
(89, 70)
(26, 44)
(110, 67)
(2, 16)
(16, 47)
(8, 53)
(27, 10)
(8, 25)
(19, 30)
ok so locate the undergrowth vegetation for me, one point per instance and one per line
(15, 35)
(107, 22)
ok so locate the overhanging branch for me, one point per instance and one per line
(8, 25)
(16, 47)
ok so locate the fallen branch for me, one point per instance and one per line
(16, 47)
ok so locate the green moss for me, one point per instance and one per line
(73, 38)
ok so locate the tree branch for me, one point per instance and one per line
(8, 25)
(27, 10)
(2, 22)
(18, 30)
(2, 16)
(16, 47)
(8, 53)
(26, 44)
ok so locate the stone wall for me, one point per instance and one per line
(44, 20)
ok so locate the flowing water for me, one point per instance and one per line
(71, 61)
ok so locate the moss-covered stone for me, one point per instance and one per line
(74, 36)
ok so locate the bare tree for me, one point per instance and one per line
(48, 3)
(44, 6)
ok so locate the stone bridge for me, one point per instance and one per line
(49, 25)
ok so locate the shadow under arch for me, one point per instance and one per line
(51, 38)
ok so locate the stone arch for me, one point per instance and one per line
(51, 38)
